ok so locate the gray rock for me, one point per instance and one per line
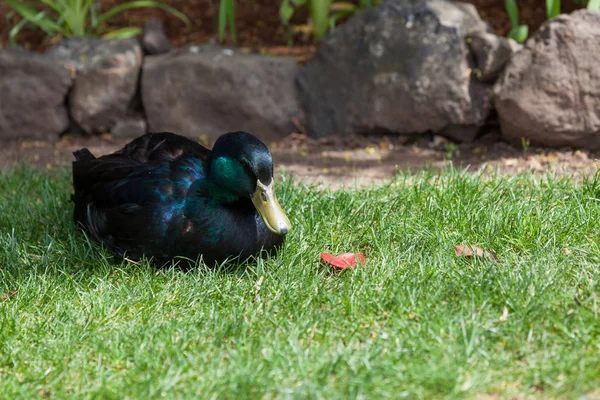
(492, 53)
(210, 90)
(106, 79)
(154, 40)
(33, 94)
(550, 91)
(129, 127)
(401, 67)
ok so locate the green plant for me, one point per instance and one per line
(525, 142)
(450, 150)
(71, 18)
(518, 32)
(593, 5)
(552, 8)
(226, 17)
(324, 14)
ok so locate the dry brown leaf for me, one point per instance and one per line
(469, 251)
(465, 250)
(9, 294)
(504, 315)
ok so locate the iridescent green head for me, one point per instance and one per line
(241, 166)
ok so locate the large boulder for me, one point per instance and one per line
(106, 79)
(33, 94)
(550, 90)
(402, 67)
(210, 90)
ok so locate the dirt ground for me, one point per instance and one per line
(349, 162)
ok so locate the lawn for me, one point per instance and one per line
(417, 321)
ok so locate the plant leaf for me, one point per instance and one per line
(552, 8)
(513, 12)
(226, 15)
(33, 16)
(123, 33)
(342, 6)
(593, 5)
(319, 12)
(286, 12)
(519, 33)
(231, 20)
(14, 31)
(143, 4)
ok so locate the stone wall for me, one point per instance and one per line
(401, 68)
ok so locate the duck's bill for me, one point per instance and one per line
(269, 209)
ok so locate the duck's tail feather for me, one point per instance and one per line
(78, 198)
(83, 155)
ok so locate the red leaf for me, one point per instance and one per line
(326, 257)
(343, 261)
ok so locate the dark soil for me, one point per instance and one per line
(257, 22)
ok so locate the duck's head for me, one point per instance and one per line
(241, 166)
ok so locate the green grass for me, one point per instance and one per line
(415, 322)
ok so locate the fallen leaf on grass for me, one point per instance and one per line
(504, 315)
(467, 251)
(10, 293)
(343, 261)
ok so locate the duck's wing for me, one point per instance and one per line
(122, 200)
(164, 146)
(132, 174)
